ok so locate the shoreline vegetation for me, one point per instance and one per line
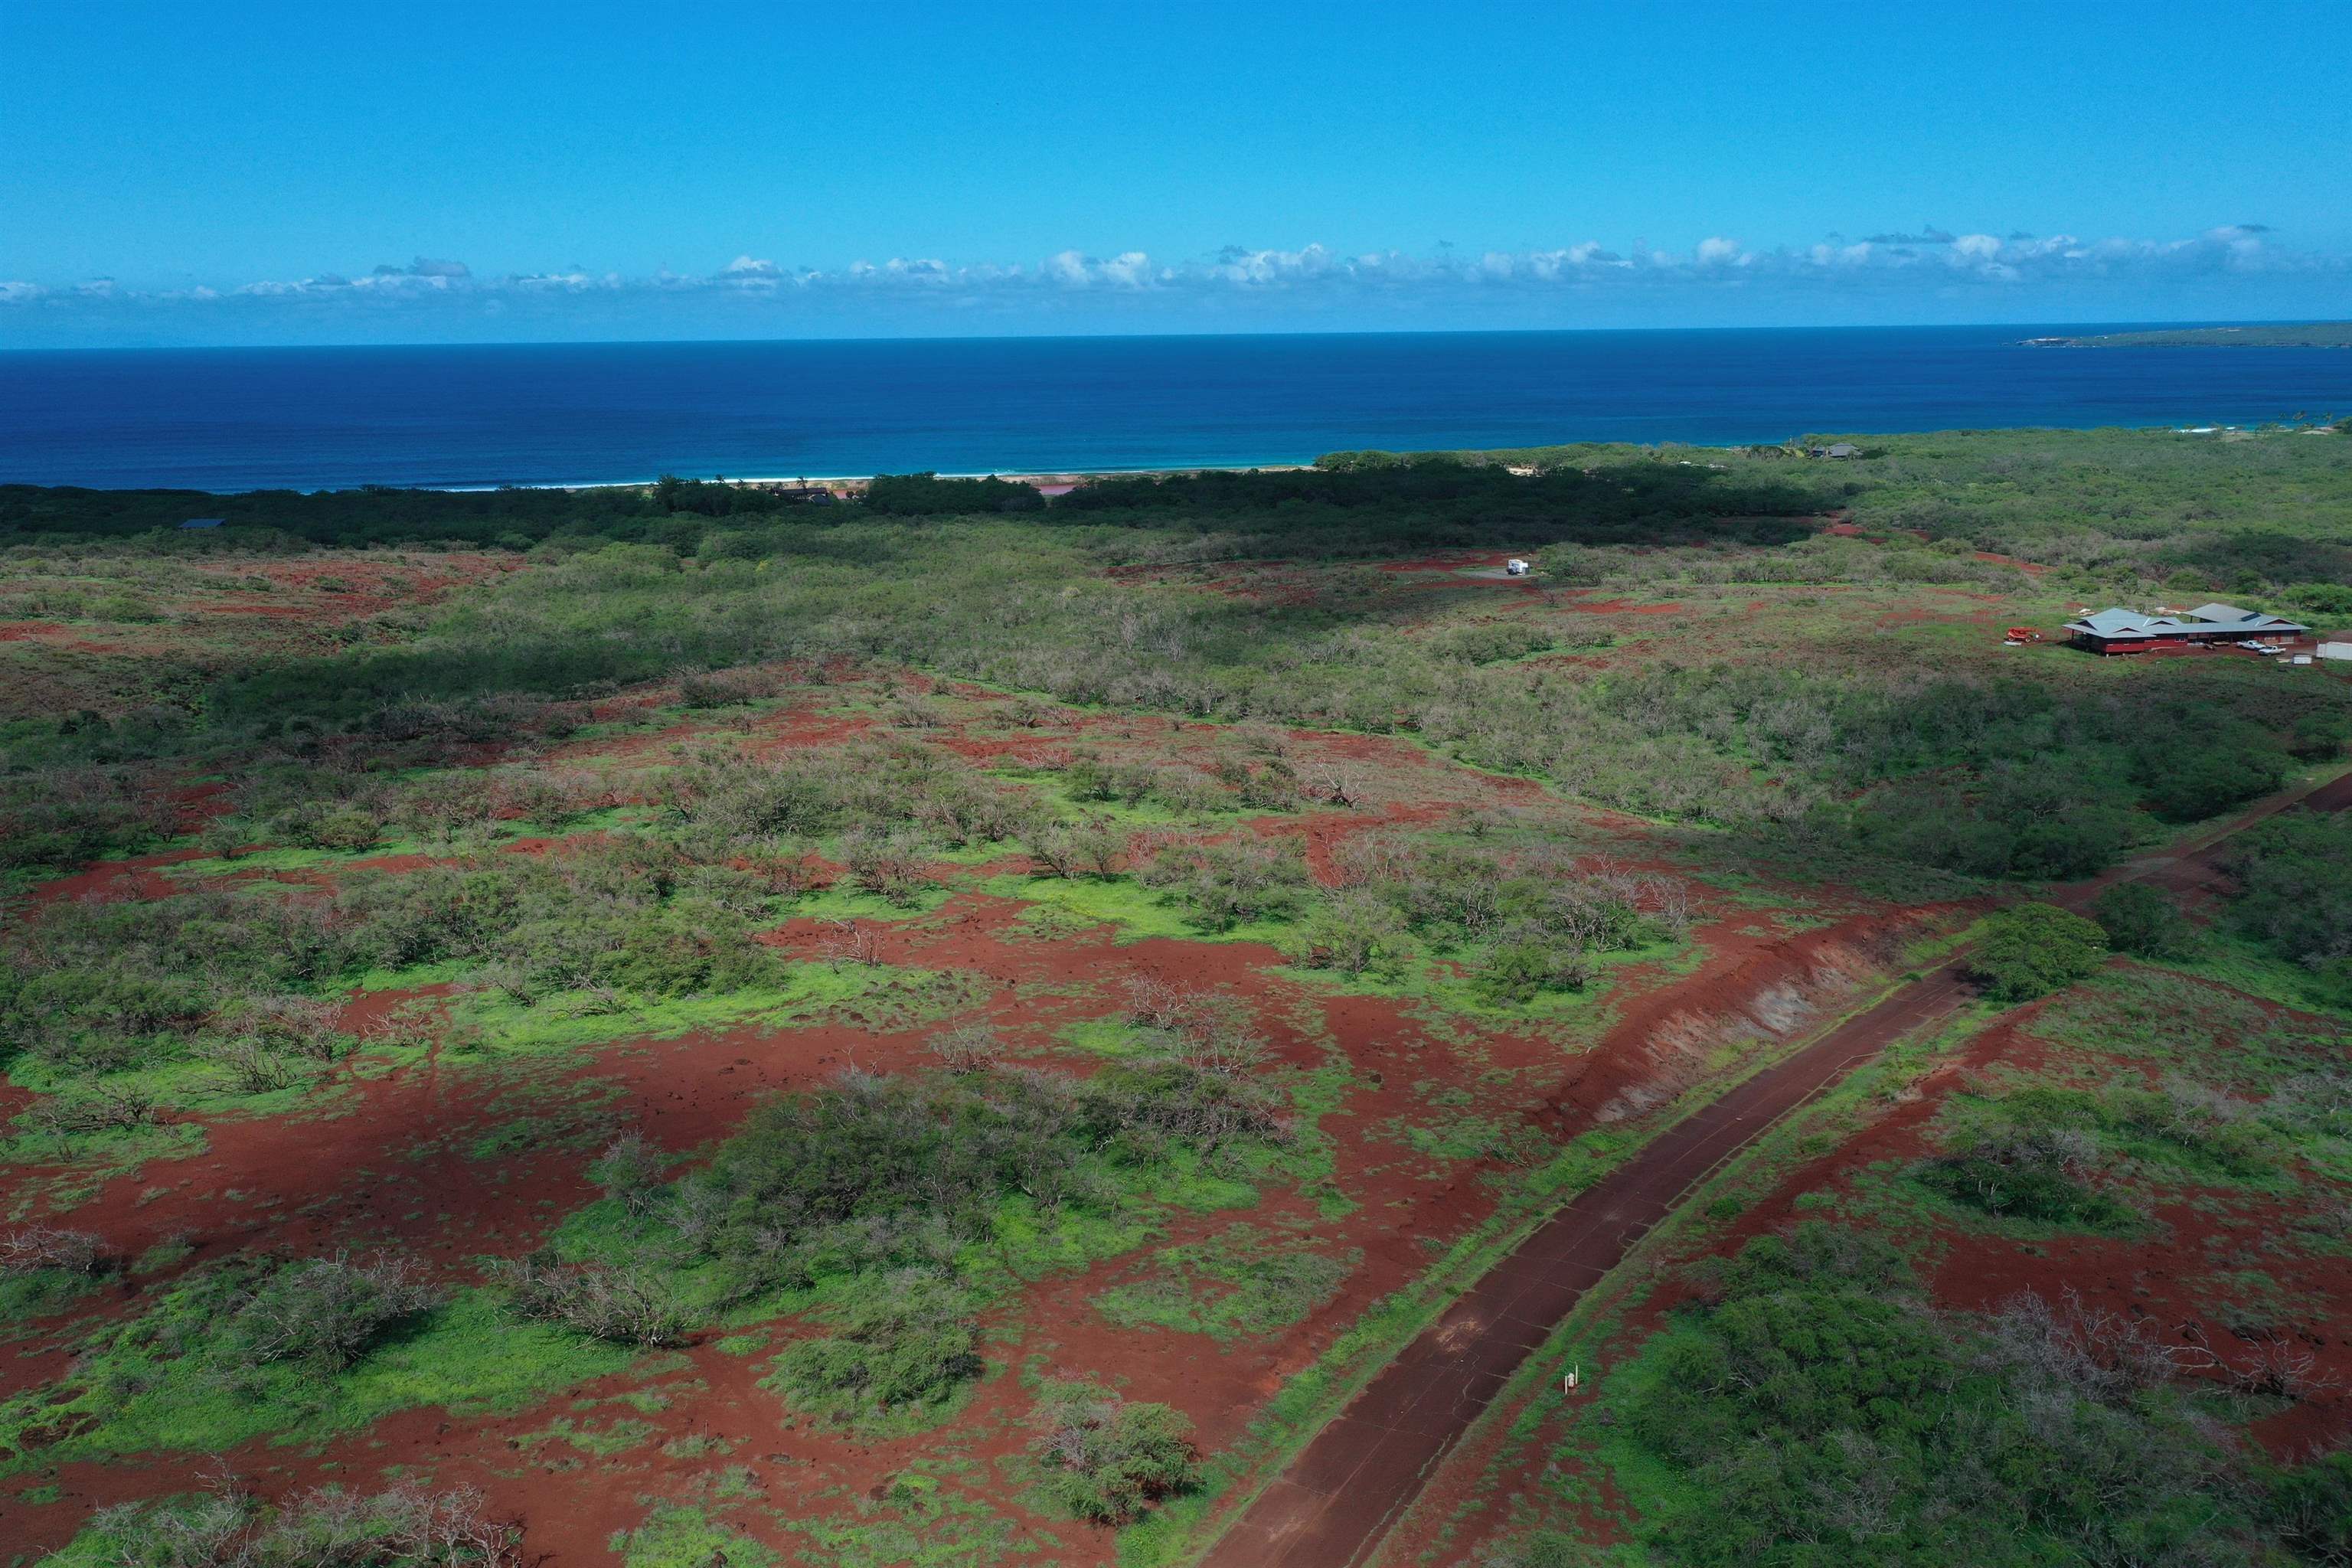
(1050, 485)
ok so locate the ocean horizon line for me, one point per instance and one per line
(2085, 325)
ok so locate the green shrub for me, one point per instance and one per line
(1815, 1410)
(876, 1173)
(1543, 1549)
(2321, 737)
(620, 1306)
(2295, 885)
(124, 607)
(908, 1344)
(325, 1313)
(2192, 783)
(2024, 1178)
(1488, 642)
(1225, 885)
(1520, 968)
(1107, 1462)
(2035, 948)
(1356, 934)
(629, 1172)
(2142, 920)
(406, 1527)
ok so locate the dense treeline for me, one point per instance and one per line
(1723, 744)
(671, 511)
(1439, 502)
(2237, 513)
(917, 495)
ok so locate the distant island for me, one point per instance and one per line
(2296, 335)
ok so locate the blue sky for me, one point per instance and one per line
(257, 173)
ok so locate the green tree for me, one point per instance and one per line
(2142, 920)
(2035, 948)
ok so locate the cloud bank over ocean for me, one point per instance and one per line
(1927, 274)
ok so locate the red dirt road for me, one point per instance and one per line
(1339, 1495)
(1334, 1504)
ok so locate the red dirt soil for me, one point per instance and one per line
(386, 1166)
(384, 1161)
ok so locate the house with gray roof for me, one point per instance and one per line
(2129, 631)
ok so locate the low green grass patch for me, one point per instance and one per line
(617, 1437)
(155, 1384)
(89, 1160)
(1242, 1281)
(676, 1536)
(923, 1519)
(1136, 911)
(877, 996)
(32, 1293)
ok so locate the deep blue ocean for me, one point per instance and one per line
(230, 419)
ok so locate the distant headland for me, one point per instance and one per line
(2291, 335)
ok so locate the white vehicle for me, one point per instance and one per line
(1515, 567)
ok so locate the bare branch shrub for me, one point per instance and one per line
(849, 942)
(1335, 785)
(406, 1527)
(889, 865)
(630, 1172)
(967, 1047)
(305, 1026)
(2279, 1369)
(51, 1247)
(1154, 1002)
(1055, 849)
(2106, 1355)
(324, 1312)
(623, 1305)
(106, 1109)
(250, 1066)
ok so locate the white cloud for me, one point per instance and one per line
(426, 267)
(1932, 263)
